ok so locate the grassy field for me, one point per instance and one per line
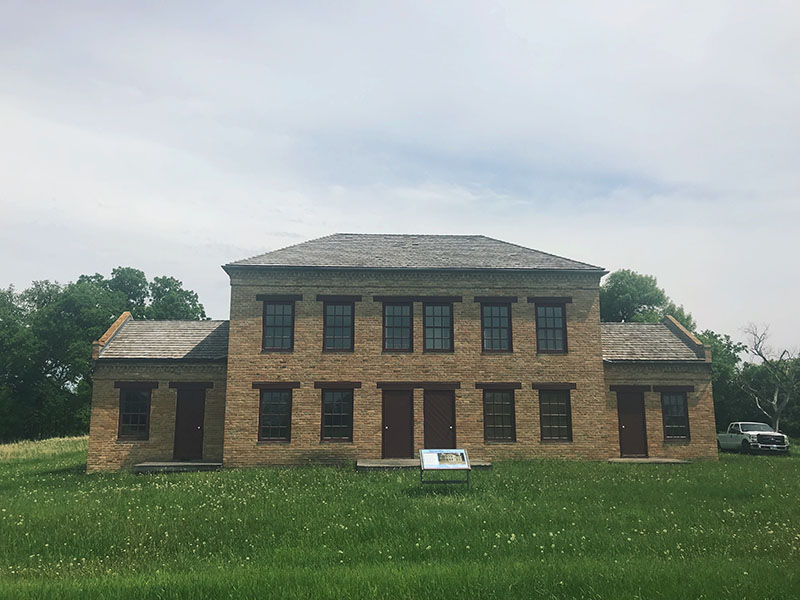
(544, 529)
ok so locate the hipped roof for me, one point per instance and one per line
(389, 251)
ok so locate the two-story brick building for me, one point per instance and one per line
(369, 346)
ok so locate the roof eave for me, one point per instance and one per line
(129, 360)
(230, 267)
(656, 361)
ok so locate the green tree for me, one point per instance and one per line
(132, 283)
(730, 402)
(171, 301)
(626, 295)
(17, 368)
(46, 334)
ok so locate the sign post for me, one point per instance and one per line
(444, 460)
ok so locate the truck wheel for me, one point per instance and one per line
(719, 448)
(746, 447)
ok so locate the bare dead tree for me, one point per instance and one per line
(783, 375)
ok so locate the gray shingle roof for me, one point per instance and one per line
(385, 251)
(208, 340)
(644, 341)
(188, 340)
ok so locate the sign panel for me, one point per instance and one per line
(450, 460)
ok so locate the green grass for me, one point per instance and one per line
(543, 529)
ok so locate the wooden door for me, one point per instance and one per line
(398, 424)
(439, 408)
(632, 428)
(189, 413)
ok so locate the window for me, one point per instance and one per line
(397, 328)
(134, 413)
(551, 328)
(337, 415)
(438, 329)
(675, 415)
(496, 327)
(278, 326)
(555, 417)
(339, 326)
(498, 416)
(275, 415)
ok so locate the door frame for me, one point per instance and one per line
(452, 395)
(638, 391)
(200, 388)
(410, 393)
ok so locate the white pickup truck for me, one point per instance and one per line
(752, 437)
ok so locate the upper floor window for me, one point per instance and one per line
(278, 326)
(498, 415)
(397, 327)
(134, 411)
(555, 415)
(277, 334)
(275, 415)
(551, 328)
(438, 327)
(675, 415)
(338, 326)
(337, 415)
(496, 327)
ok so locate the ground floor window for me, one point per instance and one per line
(675, 414)
(337, 415)
(275, 415)
(498, 416)
(555, 416)
(134, 413)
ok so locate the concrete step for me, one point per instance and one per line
(372, 464)
(653, 460)
(176, 466)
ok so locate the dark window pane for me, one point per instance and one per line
(278, 326)
(550, 328)
(338, 326)
(498, 415)
(675, 415)
(134, 414)
(337, 415)
(397, 328)
(496, 322)
(438, 331)
(276, 415)
(554, 415)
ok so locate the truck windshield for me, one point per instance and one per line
(755, 427)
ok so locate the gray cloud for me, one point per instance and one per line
(663, 138)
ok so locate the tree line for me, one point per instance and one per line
(46, 332)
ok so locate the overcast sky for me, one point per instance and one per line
(175, 137)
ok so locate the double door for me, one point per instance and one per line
(439, 421)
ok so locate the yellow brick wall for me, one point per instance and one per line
(107, 452)
(594, 426)
(702, 429)
(232, 405)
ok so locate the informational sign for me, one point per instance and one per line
(436, 460)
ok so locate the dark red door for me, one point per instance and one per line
(632, 430)
(398, 419)
(189, 414)
(439, 408)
